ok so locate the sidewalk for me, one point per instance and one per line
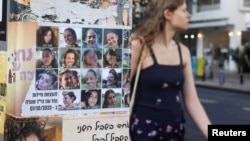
(232, 82)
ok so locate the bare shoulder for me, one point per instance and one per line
(136, 45)
(135, 42)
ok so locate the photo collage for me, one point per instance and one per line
(89, 67)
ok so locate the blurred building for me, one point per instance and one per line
(215, 27)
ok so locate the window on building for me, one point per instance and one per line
(209, 2)
(205, 5)
(190, 6)
(246, 3)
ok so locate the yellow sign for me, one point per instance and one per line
(200, 67)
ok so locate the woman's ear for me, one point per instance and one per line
(167, 14)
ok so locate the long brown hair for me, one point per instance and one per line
(154, 21)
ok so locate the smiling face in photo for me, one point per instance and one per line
(70, 59)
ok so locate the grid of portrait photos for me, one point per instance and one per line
(88, 66)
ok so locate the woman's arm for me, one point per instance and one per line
(190, 97)
(136, 48)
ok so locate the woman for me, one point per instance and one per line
(48, 59)
(126, 78)
(66, 79)
(109, 99)
(76, 79)
(112, 79)
(165, 72)
(110, 59)
(92, 99)
(70, 59)
(91, 39)
(91, 79)
(112, 39)
(68, 100)
(90, 59)
(127, 63)
(24, 129)
(46, 37)
(47, 80)
(70, 37)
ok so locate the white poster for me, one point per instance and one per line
(109, 127)
(78, 60)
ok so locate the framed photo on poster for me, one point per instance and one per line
(3, 7)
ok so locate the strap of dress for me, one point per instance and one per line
(153, 55)
(180, 54)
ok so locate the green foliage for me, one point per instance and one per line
(238, 54)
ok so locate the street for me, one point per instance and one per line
(222, 107)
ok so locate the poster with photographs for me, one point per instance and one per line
(78, 58)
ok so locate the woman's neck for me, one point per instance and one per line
(168, 34)
(70, 106)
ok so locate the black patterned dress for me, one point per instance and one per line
(157, 113)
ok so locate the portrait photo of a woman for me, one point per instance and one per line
(112, 38)
(69, 57)
(70, 37)
(111, 98)
(92, 37)
(111, 78)
(69, 100)
(47, 36)
(91, 78)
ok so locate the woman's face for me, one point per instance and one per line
(111, 59)
(91, 80)
(67, 81)
(69, 59)
(112, 39)
(69, 38)
(91, 59)
(180, 14)
(47, 58)
(91, 38)
(45, 81)
(68, 101)
(47, 38)
(111, 80)
(93, 98)
(111, 99)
